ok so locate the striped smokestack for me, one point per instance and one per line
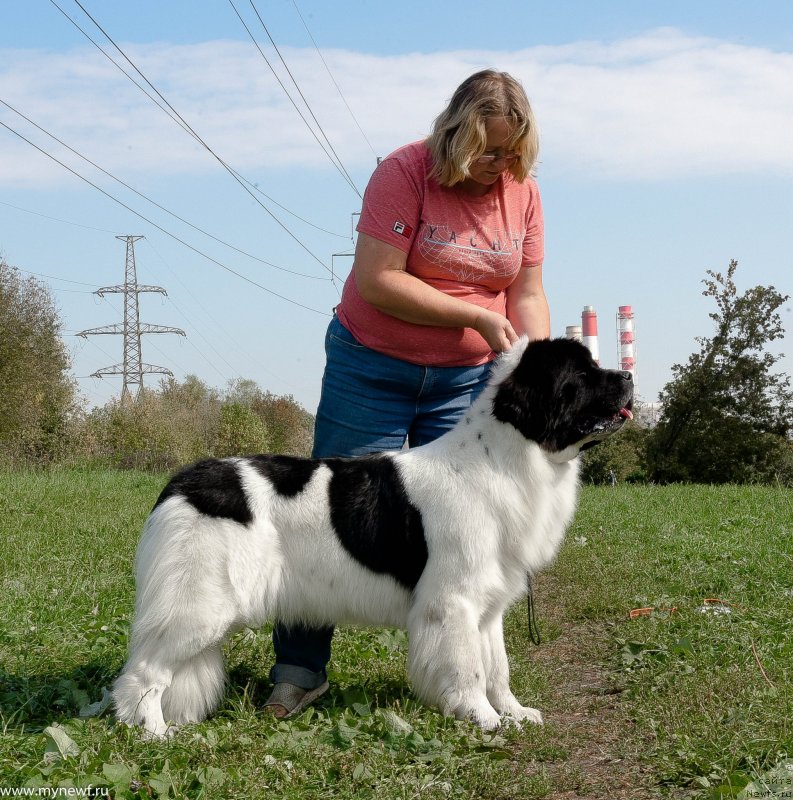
(627, 353)
(589, 328)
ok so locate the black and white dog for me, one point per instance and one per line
(437, 540)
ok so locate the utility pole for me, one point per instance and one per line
(132, 368)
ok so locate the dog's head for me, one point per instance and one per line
(553, 392)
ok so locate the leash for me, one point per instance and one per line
(534, 631)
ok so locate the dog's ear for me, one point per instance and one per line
(523, 401)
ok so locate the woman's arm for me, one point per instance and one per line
(381, 280)
(527, 306)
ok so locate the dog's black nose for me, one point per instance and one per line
(626, 375)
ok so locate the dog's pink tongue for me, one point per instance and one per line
(626, 412)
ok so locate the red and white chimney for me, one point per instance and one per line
(589, 329)
(625, 340)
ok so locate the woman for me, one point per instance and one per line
(447, 274)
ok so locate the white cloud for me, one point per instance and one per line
(661, 105)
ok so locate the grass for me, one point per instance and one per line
(707, 687)
(684, 704)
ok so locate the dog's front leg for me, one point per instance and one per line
(494, 658)
(445, 661)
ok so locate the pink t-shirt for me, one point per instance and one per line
(468, 247)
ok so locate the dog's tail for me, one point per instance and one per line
(184, 611)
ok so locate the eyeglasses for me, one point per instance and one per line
(495, 155)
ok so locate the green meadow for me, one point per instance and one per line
(690, 698)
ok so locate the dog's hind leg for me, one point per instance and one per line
(445, 663)
(137, 697)
(174, 680)
(196, 688)
(494, 659)
(184, 610)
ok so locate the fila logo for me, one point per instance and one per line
(402, 229)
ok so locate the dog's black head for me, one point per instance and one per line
(558, 397)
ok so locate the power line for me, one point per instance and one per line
(99, 47)
(149, 200)
(182, 124)
(221, 328)
(55, 219)
(159, 227)
(101, 350)
(53, 277)
(181, 121)
(186, 125)
(338, 88)
(284, 208)
(337, 162)
(198, 328)
(339, 167)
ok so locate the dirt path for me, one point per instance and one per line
(590, 717)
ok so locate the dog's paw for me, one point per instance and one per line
(483, 716)
(154, 732)
(510, 709)
(522, 714)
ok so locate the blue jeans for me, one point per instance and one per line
(370, 402)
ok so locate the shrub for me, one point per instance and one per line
(180, 423)
(37, 394)
(241, 432)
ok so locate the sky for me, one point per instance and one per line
(666, 151)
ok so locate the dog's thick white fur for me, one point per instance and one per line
(493, 504)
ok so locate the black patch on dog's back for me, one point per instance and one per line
(212, 487)
(374, 518)
(289, 474)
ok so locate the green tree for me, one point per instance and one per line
(37, 394)
(618, 458)
(727, 415)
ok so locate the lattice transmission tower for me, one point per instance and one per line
(132, 368)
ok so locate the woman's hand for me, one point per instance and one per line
(495, 329)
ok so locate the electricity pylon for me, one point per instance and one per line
(132, 368)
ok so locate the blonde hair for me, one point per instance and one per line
(459, 135)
